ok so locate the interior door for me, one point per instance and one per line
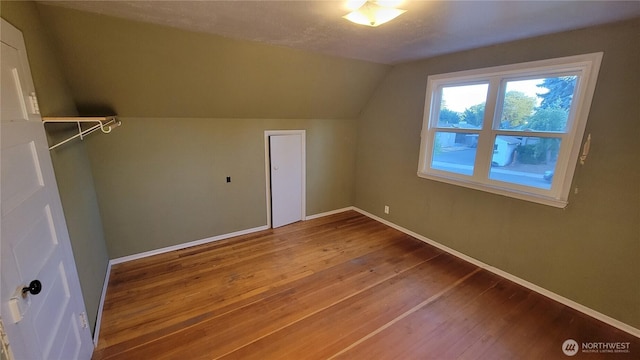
(49, 322)
(287, 178)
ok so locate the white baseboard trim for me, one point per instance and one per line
(186, 245)
(551, 295)
(96, 331)
(337, 211)
(542, 291)
(214, 238)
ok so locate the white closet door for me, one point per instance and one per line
(287, 190)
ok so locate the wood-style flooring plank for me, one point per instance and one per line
(285, 305)
(327, 332)
(429, 323)
(215, 285)
(338, 287)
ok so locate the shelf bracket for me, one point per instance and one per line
(104, 124)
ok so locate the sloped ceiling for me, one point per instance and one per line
(137, 69)
(428, 28)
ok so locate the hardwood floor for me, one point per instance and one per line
(338, 287)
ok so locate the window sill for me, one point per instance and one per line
(516, 194)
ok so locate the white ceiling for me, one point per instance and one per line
(428, 28)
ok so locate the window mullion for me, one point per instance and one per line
(485, 139)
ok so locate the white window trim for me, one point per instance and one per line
(586, 66)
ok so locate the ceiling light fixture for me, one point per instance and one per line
(373, 12)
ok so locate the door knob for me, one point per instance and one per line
(34, 288)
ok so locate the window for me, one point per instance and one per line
(513, 130)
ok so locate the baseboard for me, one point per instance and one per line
(542, 291)
(212, 239)
(337, 211)
(96, 330)
(186, 245)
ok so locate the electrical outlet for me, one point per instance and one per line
(386, 209)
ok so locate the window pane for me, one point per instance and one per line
(463, 106)
(454, 152)
(528, 161)
(537, 104)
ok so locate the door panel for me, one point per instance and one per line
(286, 179)
(34, 238)
(35, 243)
(22, 176)
(20, 162)
(13, 104)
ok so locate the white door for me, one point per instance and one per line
(34, 239)
(287, 178)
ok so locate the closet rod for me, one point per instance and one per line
(104, 123)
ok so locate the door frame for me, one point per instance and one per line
(267, 167)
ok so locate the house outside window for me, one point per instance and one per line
(514, 130)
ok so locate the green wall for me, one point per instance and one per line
(71, 163)
(162, 181)
(588, 252)
(194, 109)
(144, 70)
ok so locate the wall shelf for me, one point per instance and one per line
(102, 123)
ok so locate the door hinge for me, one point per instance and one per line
(83, 320)
(33, 101)
(5, 350)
